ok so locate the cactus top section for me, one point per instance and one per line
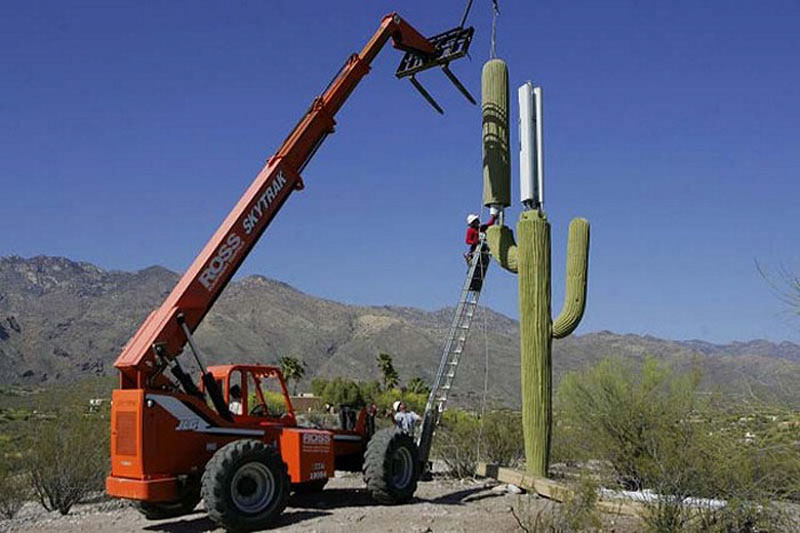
(495, 134)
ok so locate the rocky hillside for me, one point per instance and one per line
(61, 320)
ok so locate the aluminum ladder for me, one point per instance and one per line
(453, 348)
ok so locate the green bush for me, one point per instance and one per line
(341, 391)
(576, 514)
(68, 459)
(461, 440)
(656, 431)
(456, 442)
(419, 386)
(318, 386)
(14, 488)
(501, 439)
(625, 417)
(276, 403)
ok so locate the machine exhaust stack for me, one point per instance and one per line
(531, 173)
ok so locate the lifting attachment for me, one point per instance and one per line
(449, 46)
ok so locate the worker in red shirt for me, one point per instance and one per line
(474, 230)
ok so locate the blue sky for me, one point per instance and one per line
(129, 129)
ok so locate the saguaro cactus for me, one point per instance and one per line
(530, 259)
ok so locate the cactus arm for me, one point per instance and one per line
(503, 247)
(577, 270)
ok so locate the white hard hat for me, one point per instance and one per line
(396, 405)
(472, 217)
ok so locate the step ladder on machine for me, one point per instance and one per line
(453, 348)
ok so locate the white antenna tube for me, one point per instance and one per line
(530, 146)
(537, 95)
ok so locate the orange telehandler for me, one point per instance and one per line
(174, 440)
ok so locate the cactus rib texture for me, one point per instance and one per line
(504, 249)
(577, 269)
(530, 259)
(494, 111)
(533, 231)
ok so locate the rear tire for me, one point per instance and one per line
(245, 485)
(391, 466)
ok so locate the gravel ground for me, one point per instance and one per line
(441, 505)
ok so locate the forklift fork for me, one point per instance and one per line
(449, 46)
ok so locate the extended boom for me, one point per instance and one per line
(160, 338)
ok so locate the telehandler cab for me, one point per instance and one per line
(174, 441)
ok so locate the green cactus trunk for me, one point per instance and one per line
(531, 260)
(533, 232)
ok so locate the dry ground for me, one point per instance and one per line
(441, 505)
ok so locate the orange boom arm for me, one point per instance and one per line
(160, 338)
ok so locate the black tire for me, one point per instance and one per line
(159, 511)
(245, 485)
(390, 466)
(310, 486)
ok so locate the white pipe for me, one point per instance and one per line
(530, 146)
(537, 93)
(526, 153)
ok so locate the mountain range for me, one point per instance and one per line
(61, 320)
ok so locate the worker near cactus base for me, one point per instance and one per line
(405, 420)
(474, 230)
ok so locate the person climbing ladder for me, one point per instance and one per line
(474, 230)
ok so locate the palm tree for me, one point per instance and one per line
(293, 369)
(390, 377)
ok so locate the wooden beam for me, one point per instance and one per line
(553, 490)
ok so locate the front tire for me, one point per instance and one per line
(390, 466)
(245, 485)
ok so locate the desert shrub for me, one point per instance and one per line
(656, 431)
(318, 386)
(461, 441)
(276, 403)
(455, 442)
(67, 459)
(341, 391)
(577, 513)
(501, 438)
(14, 487)
(414, 401)
(627, 418)
(419, 386)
